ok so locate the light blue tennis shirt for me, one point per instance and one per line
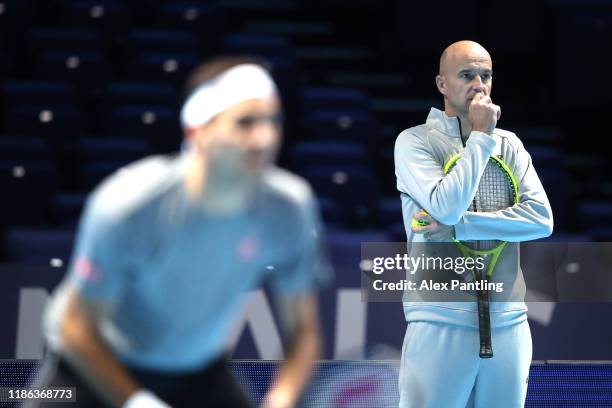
(175, 275)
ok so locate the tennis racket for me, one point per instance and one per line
(497, 190)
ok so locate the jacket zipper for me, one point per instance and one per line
(460, 132)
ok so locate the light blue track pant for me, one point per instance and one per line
(440, 367)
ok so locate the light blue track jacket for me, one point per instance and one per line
(420, 155)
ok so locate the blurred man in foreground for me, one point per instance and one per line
(168, 248)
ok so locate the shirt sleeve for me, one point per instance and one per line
(98, 260)
(530, 219)
(306, 266)
(444, 196)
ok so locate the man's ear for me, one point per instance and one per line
(441, 84)
(195, 138)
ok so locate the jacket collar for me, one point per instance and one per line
(448, 125)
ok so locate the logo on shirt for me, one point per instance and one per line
(86, 270)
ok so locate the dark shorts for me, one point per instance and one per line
(213, 386)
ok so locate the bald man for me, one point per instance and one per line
(440, 364)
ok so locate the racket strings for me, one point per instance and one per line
(495, 192)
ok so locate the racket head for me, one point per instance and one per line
(497, 190)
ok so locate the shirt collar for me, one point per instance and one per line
(448, 125)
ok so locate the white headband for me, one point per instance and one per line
(237, 84)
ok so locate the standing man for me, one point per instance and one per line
(440, 365)
(169, 247)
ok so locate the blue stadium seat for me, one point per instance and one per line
(385, 169)
(396, 232)
(157, 124)
(539, 135)
(82, 67)
(207, 21)
(317, 99)
(28, 187)
(6, 63)
(162, 67)
(500, 33)
(117, 94)
(106, 15)
(586, 33)
(561, 192)
(17, 16)
(600, 234)
(187, 14)
(460, 20)
(97, 150)
(313, 153)
(594, 214)
(354, 188)
(64, 39)
(284, 70)
(345, 246)
(389, 211)
(66, 209)
(330, 212)
(141, 41)
(24, 149)
(53, 122)
(406, 111)
(544, 157)
(357, 126)
(38, 92)
(256, 44)
(38, 246)
(91, 174)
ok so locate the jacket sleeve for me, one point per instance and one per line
(444, 196)
(530, 219)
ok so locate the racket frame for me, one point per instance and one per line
(484, 315)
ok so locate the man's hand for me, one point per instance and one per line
(300, 318)
(483, 114)
(89, 355)
(278, 399)
(144, 399)
(423, 223)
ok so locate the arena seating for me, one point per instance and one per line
(88, 86)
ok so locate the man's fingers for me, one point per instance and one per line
(422, 228)
(422, 222)
(486, 100)
(422, 215)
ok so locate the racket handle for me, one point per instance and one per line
(484, 324)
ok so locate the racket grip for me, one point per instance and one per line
(484, 324)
